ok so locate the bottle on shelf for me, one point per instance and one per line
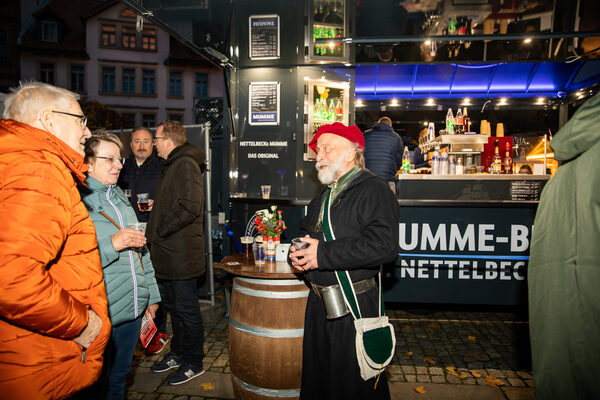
(497, 163)
(431, 133)
(459, 166)
(339, 111)
(449, 122)
(508, 164)
(405, 161)
(444, 167)
(435, 161)
(459, 120)
(452, 165)
(466, 120)
(331, 111)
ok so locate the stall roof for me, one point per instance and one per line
(547, 79)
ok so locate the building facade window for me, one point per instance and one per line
(49, 31)
(148, 82)
(108, 79)
(175, 87)
(149, 39)
(176, 117)
(128, 81)
(128, 13)
(77, 78)
(109, 35)
(148, 120)
(47, 73)
(128, 37)
(201, 85)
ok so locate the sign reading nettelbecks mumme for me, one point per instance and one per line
(264, 37)
(264, 103)
(462, 255)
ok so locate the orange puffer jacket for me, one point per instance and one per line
(50, 271)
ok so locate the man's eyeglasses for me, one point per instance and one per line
(113, 159)
(82, 118)
(160, 137)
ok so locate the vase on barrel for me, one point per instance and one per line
(270, 246)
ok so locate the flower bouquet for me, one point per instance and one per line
(271, 226)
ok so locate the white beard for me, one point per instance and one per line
(332, 171)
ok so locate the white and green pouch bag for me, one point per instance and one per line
(375, 338)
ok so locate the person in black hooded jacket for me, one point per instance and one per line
(176, 241)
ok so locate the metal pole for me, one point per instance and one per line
(208, 215)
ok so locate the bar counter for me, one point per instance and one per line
(464, 239)
(266, 328)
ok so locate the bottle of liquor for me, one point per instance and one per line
(452, 165)
(431, 133)
(339, 111)
(405, 161)
(466, 121)
(508, 164)
(331, 111)
(459, 120)
(497, 163)
(444, 167)
(449, 122)
(435, 161)
(459, 166)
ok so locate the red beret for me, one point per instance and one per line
(352, 133)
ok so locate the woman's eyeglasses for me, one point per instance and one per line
(113, 159)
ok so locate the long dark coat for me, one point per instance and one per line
(365, 222)
(176, 230)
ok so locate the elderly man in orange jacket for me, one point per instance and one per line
(53, 316)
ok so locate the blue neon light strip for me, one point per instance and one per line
(522, 258)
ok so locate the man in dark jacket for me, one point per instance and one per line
(176, 241)
(364, 217)
(383, 150)
(141, 171)
(564, 271)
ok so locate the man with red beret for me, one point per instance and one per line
(362, 213)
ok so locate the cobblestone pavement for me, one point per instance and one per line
(450, 348)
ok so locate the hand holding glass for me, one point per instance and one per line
(143, 201)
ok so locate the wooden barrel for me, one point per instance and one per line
(266, 326)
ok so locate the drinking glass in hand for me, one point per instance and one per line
(143, 200)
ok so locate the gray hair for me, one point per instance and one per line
(25, 103)
(100, 135)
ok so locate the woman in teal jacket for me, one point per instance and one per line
(128, 274)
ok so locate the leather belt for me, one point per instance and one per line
(359, 287)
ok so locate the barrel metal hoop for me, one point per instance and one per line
(270, 294)
(273, 282)
(266, 332)
(266, 392)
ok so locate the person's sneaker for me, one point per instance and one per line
(168, 362)
(185, 373)
(157, 344)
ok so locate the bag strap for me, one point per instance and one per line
(343, 277)
(118, 226)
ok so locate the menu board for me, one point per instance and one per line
(525, 190)
(264, 37)
(264, 103)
